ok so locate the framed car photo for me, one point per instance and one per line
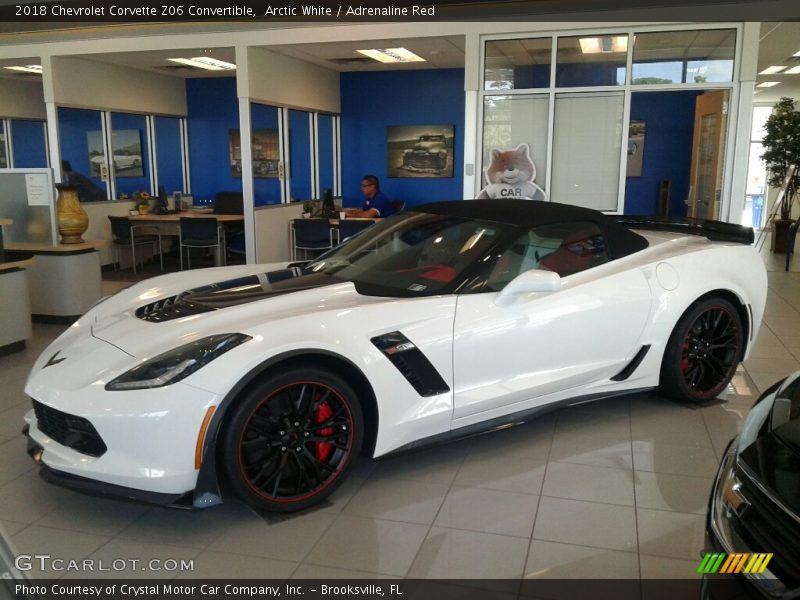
(419, 151)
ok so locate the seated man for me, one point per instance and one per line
(376, 204)
(87, 190)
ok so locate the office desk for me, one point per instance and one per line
(169, 224)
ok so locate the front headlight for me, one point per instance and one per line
(176, 364)
(726, 498)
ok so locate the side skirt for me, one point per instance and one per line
(504, 422)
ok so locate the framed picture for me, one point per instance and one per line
(266, 155)
(126, 147)
(636, 135)
(419, 151)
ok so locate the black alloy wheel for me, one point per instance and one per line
(291, 439)
(703, 351)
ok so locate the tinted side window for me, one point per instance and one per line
(565, 248)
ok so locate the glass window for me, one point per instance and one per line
(517, 64)
(81, 139)
(168, 145)
(591, 60)
(266, 155)
(586, 149)
(565, 248)
(509, 121)
(300, 153)
(3, 151)
(694, 56)
(760, 116)
(129, 153)
(29, 141)
(327, 151)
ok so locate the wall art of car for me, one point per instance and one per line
(429, 152)
(442, 321)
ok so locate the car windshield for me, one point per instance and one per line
(412, 254)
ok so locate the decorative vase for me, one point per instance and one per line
(71, 218)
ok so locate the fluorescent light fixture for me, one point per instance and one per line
(772, 70)
(205, 62)
(768, 83)
(392, 55)
(792, 71)
(796, 53)
(26, 69)
(604, 45)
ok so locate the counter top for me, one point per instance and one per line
(60, 248)
(17, 264)
(6, 221)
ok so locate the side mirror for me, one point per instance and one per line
(535, 280)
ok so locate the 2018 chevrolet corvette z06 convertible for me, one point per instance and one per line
(438, 322)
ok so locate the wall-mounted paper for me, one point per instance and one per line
(37, 189)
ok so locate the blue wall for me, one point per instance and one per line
(667, 150)
(27, 138)
(213, 112)
(74, 125)
(371, 101)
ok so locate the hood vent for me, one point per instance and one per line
(167, 309)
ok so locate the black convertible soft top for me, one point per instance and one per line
(620, 241)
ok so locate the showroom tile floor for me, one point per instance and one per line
(612, 489)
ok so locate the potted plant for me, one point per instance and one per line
(781, 151)
(308, 208)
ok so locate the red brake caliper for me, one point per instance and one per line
(324, 412)
(685, 357)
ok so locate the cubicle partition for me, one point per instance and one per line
(27, 197)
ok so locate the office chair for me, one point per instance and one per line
(199, 232)
(350, 227)
(124, 234)
(311, 235)
(398, 205)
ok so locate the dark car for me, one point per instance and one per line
(754, 510)
(429, 152)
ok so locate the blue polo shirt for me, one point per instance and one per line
(381, 203)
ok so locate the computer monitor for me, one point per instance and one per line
(163, 202)
(328, 206)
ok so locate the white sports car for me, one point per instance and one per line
(440, 322)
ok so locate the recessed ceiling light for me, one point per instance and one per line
(392, 55)
(768, 83)
(604, 45)
(792, 71)
(26, 68)
(772, 70)
(205, 62)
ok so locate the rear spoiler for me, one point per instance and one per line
(713, 230)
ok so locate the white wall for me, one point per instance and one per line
(100, 229)
(285, 81)
(22, 99)
(85, 83)
(272, 231)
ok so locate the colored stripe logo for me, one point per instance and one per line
(740, 562)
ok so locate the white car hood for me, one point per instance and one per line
(237, 309)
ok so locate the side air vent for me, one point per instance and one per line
(631, 366)
(412, 363)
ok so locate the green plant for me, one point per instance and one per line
(782, 150)
(308, 206)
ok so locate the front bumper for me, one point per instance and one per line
(99, 488)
